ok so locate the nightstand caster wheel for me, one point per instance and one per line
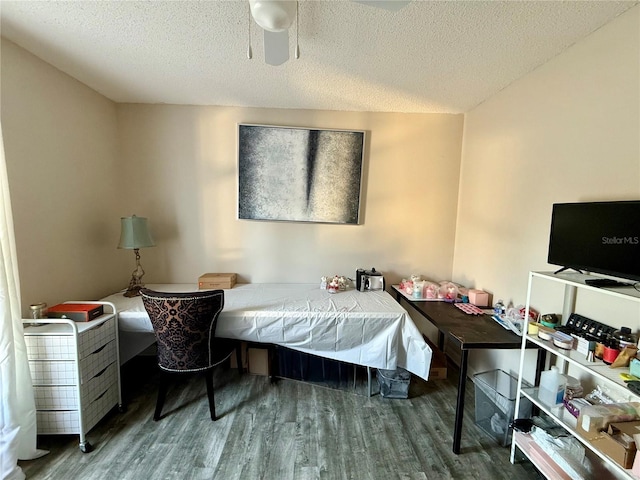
(122, 408)
(86, 447)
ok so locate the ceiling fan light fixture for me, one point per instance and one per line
(273, 15)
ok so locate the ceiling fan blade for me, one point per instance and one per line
(276, 47)
(392, 5)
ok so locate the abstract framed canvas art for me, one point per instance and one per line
(299, 174)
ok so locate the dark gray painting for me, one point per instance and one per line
(299, 174)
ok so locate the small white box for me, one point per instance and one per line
(580, 344)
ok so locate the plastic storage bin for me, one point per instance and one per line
(394, 383)
(495, 403)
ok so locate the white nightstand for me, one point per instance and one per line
(75, 370)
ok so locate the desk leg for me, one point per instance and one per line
(273, 363)
(441, 340)
(462, 383)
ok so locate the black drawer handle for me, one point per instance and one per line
(100, 349)
(101, 395)
(101, 372)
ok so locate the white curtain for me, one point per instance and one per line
(17, 405)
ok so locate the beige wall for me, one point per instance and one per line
(77, 162)
(61, 146)
(567, 132)
(181, 166)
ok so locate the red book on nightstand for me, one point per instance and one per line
(78, 312)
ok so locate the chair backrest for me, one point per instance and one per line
(185, 326)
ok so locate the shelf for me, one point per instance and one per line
(578, 280)
(561, 416)
(550, 468)
(599, 369)
(547, 466)
(600, 372)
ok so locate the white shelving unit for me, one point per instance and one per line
(601, 373)
(75, 370)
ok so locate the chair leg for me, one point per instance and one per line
(208, 375)
(162, 392)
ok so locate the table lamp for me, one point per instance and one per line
(133, 236)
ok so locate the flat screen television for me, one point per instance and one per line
(599, 237)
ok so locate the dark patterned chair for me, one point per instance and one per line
(185, 326)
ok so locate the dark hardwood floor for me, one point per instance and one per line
(281, 431)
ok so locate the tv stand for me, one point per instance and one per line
(606, 282)
(564, 269)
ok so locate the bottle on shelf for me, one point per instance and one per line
(624, 337)
(552, 385)
(611, 350)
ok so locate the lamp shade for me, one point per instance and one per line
(135, 233)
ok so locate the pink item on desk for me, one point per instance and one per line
(431, 290)
(469, 308)
(448, 291)
(479, 297)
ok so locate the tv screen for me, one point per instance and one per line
(599, 237)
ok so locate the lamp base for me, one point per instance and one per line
(135, 284)
(133, 291)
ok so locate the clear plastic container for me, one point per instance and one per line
(552, 385)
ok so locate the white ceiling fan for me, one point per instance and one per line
(276, 17)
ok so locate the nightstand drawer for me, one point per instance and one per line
(96, 361)
(102, 380)
(60, 347)
(56, 398)
(93, 339)
(100, 407)
(53, 372)
(63, 372)
(59, 397)
(68, 421)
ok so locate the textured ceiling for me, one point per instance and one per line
(431, 56)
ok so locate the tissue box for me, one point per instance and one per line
(478, 298)
(214, 281)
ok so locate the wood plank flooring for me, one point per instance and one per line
(287, 430)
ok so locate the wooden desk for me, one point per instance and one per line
(468, 332)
